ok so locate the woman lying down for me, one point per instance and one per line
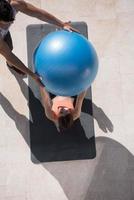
(62, 110)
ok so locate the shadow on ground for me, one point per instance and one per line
(109, 176)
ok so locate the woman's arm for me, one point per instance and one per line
(15, 61)
(47, 103)
(41, 14)
(33, 11)
(78, 105)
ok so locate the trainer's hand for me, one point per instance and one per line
(38, 80)
(68, 27)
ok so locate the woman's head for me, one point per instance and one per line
(6, 11)
(65, 119)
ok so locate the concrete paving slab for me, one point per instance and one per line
(111, 31)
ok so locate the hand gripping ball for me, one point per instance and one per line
(66, 62)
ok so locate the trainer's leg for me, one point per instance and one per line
(9, 42)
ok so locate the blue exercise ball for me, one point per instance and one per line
(66, 62)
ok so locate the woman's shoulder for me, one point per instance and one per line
(51, 116)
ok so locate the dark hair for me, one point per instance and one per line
(66, 121)
(6, 11)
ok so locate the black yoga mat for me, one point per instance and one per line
(46, 143)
